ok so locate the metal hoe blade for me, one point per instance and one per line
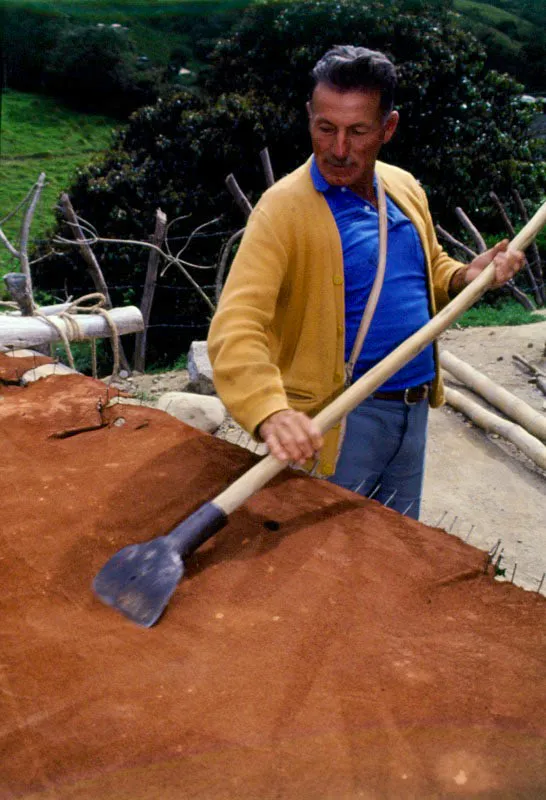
(140, 579)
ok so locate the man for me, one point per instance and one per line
(292, 304)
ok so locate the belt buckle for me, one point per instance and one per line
(421, 391)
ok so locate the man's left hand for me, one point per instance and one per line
(507, 264)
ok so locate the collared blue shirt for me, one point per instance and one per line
(403, 303)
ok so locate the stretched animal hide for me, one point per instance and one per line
(320, 646)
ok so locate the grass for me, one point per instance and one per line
(161, 365)
(492, 15)
(181, 362)
(484, 20)
(505, 312)
(38, 134)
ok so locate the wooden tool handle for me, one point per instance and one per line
(256, 477)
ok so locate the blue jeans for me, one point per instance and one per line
(383, 453)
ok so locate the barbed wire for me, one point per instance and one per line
(199, 235)
(134, 286)
(185, 326)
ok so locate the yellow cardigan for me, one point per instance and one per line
(277, 338)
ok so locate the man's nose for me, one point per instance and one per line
(341, 145)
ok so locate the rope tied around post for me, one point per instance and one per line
(72, 332)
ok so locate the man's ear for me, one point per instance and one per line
(309, 108)
(390, 126)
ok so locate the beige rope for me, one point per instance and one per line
(371, 305)
(71, 330)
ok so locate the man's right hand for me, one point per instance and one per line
(291, 436)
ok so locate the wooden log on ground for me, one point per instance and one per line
(518, 410)
(530, 445)
(33, 331)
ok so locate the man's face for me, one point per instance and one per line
(347, 131)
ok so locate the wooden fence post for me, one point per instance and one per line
(149, 290)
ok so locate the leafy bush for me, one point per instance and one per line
(94, 67)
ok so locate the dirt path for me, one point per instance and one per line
(477, 486)
(476, 479)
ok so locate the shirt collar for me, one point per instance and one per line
(319, 181)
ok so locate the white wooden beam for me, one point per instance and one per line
(33, 331)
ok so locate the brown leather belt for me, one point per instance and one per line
(411, 396)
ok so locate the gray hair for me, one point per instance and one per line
(348, 68)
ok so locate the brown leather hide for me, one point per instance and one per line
(353, 653)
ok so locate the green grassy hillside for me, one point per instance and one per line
(39, 135)
(513, 34)
(532, 10)
(495, 16)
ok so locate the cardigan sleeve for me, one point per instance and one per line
(239, 341)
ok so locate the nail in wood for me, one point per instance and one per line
(408, 508)
(390, 498)
(494, 550)
(375, 491)
(441, 519)
(499, 559)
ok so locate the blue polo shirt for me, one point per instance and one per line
(403, 303)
